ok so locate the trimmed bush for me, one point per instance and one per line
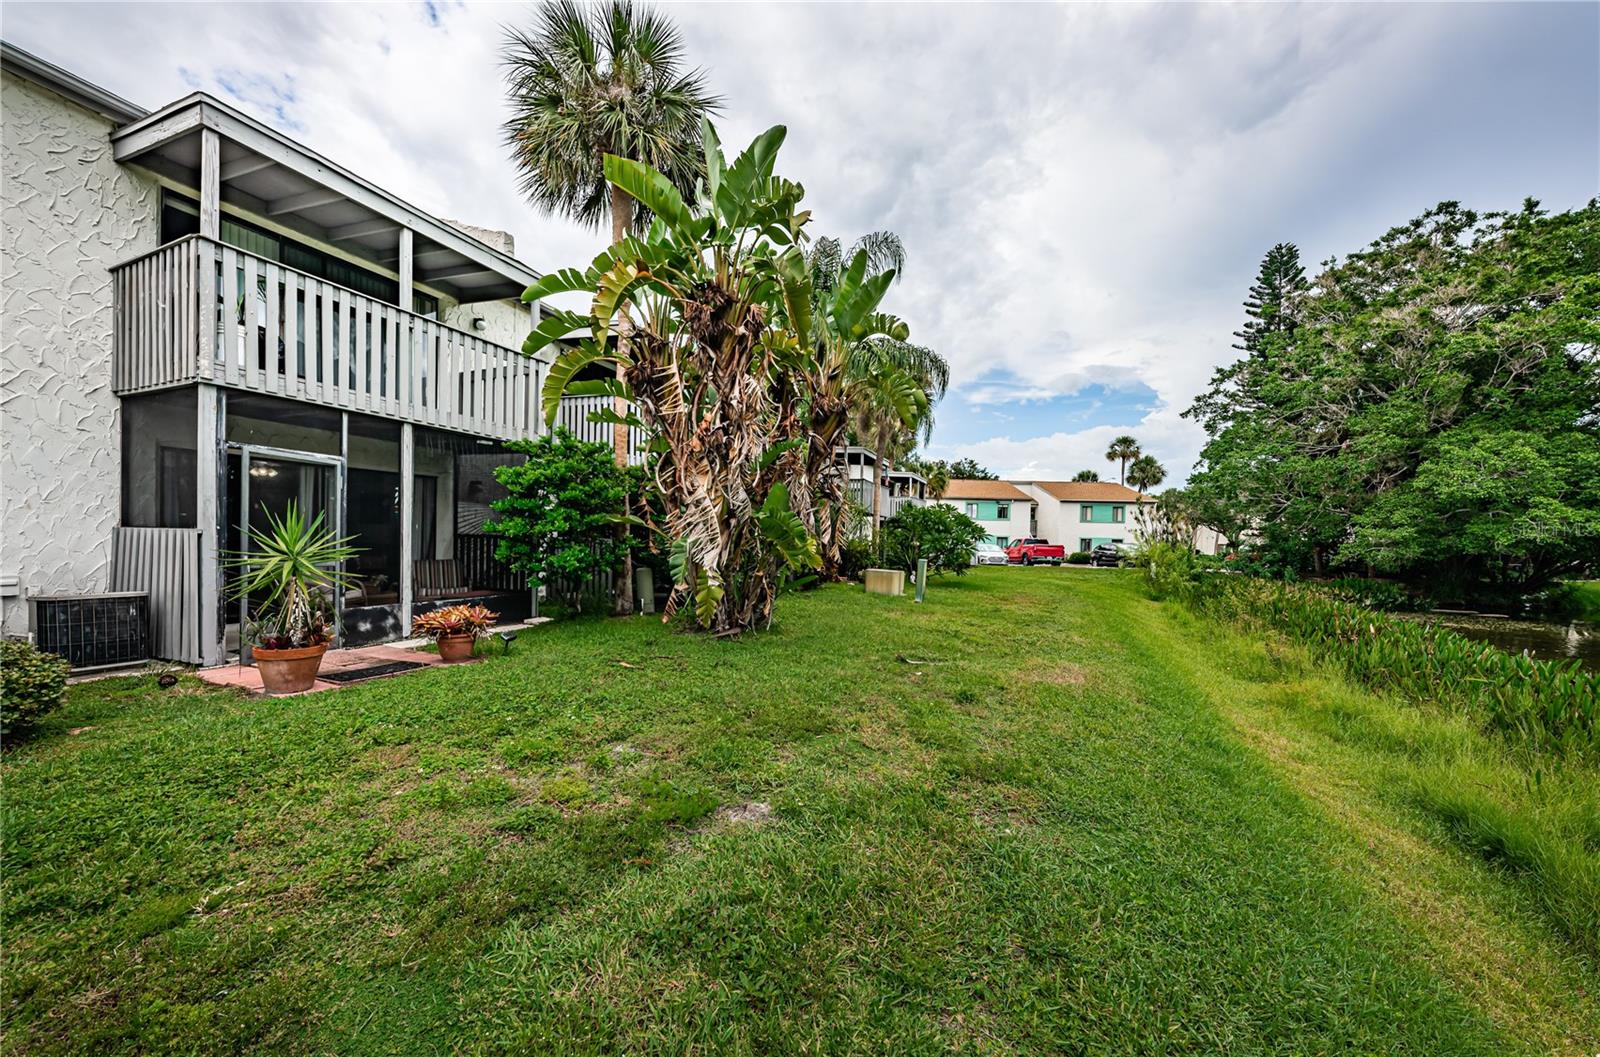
(31, 684)
(1078, 558)
(942, 534)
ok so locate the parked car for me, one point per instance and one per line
(1030, 550)
(1109, 554)
(989, 554)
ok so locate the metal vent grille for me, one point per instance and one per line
(93, 631)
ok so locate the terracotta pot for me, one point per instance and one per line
(454, 648)
(289, 671)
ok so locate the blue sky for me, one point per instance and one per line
(1085, 191)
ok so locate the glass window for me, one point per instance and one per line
(1086, 513)
(972, 510)
(1002, 511)
(276, 423)
(1116, 513)
(159, 485)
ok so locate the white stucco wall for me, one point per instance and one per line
(69, 212)
(505, 323)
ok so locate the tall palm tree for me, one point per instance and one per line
(1085, 476)
(1123, 450)
(1146, 473)
(890, 410)
(587, 81)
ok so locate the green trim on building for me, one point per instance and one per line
(1102, 513)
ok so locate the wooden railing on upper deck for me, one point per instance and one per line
(308, 339)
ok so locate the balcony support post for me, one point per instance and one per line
(210, 184)
(407, 501)
(407, 261)
(210, 513)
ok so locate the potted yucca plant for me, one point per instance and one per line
(292, 568)
(454, 628)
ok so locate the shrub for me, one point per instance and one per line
(856, 558)
(31, 684)
(1546, 704)
(1169, 568)
(1383, 595)
(560, 519)
(943, 535)
(1078, 558)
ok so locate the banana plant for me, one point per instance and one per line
(703, 365)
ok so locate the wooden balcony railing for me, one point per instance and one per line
(274, 330)
(574, 415)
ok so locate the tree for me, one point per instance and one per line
(1086, 476)
(1431, 413)
(1122, 451)
(943, 535)
(1146, 473)
(587, 82)
(1271, 303)
(719, 388)
(889, 408)
(959, 470)
(557, 523)
(845, 368)
(938, 481)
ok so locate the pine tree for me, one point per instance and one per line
(1271, 304)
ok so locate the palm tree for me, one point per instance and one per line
(1146, 473)
(1086, 476)
(849, 348)
(1123, 450)
(889, 411)
(588, 81)
(938, 481)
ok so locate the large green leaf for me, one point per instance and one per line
(568, 364)
(651, 189)
(565, 281)
(600, 387)
(861, 302)
(557, 324)
(745, 181)
(714, 161)
(612, 292)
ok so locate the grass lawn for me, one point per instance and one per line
(1036, 814)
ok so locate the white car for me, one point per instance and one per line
(989, 554)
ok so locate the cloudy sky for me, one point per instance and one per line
(1084, 191)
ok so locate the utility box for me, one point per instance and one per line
(886, 581)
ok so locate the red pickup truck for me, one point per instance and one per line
(1032, 551)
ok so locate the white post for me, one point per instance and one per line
(208, 443)
(407, 479)
(405, 269)
(210, 184)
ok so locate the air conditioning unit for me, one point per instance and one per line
(93, 631)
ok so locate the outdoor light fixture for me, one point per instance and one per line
(507, 637)
(478, 323)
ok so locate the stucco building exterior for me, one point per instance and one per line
(205, 320)
(1004, 510)
(1081, 515)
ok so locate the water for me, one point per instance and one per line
(1543, 639)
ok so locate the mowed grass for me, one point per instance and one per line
(1036, 814)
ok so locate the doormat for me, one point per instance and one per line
(355, 675)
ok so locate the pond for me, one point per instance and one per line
(1543, 639)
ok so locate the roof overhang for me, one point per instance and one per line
(68, 85)
(265, 173)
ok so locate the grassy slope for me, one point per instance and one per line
(1090, 827)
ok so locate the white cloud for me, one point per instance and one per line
(1084, 190)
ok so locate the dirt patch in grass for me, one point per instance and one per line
(753, 812)
(1056, 675)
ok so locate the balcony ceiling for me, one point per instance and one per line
(265, 173)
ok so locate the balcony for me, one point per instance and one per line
(197, 310)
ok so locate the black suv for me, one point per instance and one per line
(1107, 554)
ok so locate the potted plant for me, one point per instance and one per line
(292, 567)
(455, 629)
